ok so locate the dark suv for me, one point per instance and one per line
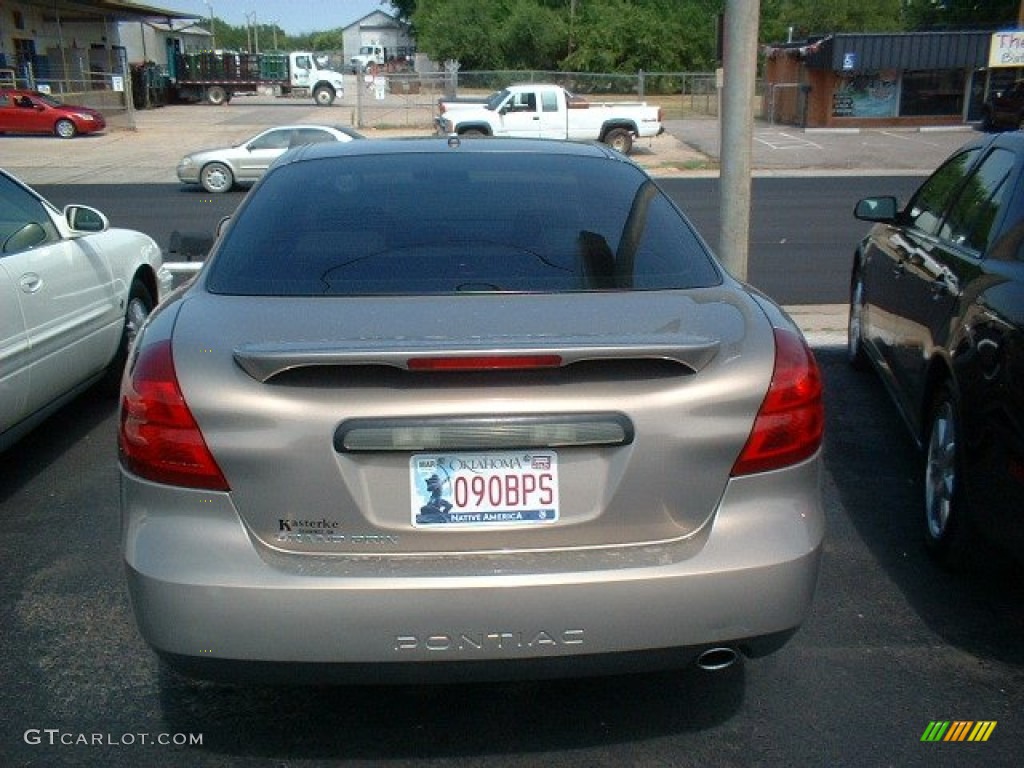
(937, 308)
(1005, 109)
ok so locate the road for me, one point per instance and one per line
(892, 643)
(799, 226)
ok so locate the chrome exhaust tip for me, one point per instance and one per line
(717, 659)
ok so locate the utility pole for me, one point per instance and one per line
(736, 132)
(253, 40)
(213, 31)
(572, 23)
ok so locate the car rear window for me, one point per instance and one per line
(429, 223)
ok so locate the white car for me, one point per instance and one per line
(219, 170)
(73, 294)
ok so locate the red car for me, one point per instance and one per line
(33, 112)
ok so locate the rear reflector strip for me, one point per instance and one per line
(484, 363)
(483, 433)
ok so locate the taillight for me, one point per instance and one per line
(484, 363)
(159, 439)
(791, 421)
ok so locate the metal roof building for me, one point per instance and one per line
(911, 78)
(911, 50)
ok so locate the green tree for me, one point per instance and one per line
(951, 14)
(585, 35)
(464, 30)
(814, 17)
(530, 37)
(403, 9)
(329, 40)
(654, 35)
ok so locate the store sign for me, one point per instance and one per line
(1007, 49)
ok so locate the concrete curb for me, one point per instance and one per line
(824, 325)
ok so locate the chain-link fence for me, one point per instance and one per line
(385, 99)
(405, 100)
(74, 78)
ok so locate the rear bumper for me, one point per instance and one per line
(213, 605)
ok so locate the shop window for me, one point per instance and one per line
(866, 95)
(932, 93)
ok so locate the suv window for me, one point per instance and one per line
(457, 223)
(970, 220)
(928, 206)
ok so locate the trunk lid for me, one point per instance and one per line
(336, 437)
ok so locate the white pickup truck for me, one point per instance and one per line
(550, 111)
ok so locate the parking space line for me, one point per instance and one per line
(783, 140)
(909, 137)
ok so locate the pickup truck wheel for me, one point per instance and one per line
(620, 140)
(472, 133)
(324, 96)
(216, 178)
(216, 95)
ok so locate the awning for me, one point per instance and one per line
(90, 10)
(910, 50)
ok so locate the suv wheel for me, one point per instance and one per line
(946, 525)
(855, 354)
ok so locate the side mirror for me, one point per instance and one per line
(878, 209)
(82, 218)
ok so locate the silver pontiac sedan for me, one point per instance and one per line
(220, 170)
(466, 410)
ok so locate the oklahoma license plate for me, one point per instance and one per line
(478, 490)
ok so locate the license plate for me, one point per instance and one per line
(478, 490)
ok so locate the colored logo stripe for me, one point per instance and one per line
(982, 730)
(958, 730)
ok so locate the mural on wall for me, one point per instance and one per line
(867, 94)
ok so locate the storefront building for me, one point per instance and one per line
(875, 80)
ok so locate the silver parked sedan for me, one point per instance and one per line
(219, 170)
(467, 409)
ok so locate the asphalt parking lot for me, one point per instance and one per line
(150, 152)
(782, 149)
